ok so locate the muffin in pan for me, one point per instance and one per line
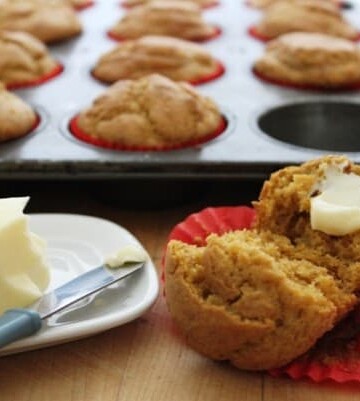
(25, 60)
(263, 296)
(17, 119)
(181, 19)
(48, 20)
(266, 3)
(310, 60)
(151, 113)
(175, 58)
(81, 4)
(201, 3)
(303, 16)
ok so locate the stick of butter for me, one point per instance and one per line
(24, 271)
(336, 210)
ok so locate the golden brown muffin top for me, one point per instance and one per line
(305, 16)
(299, 49)
(177, 18)
(16, 117)
(150, 111)
(176, 58)
(23, 57)
(201, 3)
(48, 20)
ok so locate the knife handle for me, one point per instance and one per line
(18, 323)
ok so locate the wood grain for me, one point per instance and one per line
(145, 359)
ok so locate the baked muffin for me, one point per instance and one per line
(181, 19)
(262, 297)
(201, 3)
(151, 112)
(16, 117)
(304, 16)
(48, 20)
(177, 59)
(266, 3)
(24, 59)
(80, 4)
(310, 59)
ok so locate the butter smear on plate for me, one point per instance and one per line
(336, 210)
(126, 254)
(24, 271)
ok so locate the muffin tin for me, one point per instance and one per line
(268, 126)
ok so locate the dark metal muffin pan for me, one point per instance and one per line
(264, 132)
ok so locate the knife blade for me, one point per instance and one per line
(18, 323)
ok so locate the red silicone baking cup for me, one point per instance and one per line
(252, 31)
(38, 81)
(217, 32)
(336, 356)
(352, 87)
(210, 5)
(79, 134)
(85, 5)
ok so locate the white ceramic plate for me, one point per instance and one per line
(76, 244)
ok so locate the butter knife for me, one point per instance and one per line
(18, 323)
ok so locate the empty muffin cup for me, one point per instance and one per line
(330, 126)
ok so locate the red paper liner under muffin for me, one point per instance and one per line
(38, 81)
(252, 31)
(217, 32)
(85, 5)
(214, 3)
(31, 129)
(81, 135)
(284, 83)
(218, 72)
(336, 356)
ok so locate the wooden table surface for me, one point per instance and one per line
(145, 359)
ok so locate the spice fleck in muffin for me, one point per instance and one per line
(25, 60)
(311, 60)
(303, 16)
(201, 3)
(48, 20)
(151, 113)
(16, 117)
(262, 297)
(181, 19)
(177, 59)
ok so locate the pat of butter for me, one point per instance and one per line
(336, 210)
(24, 272)
(126, 254)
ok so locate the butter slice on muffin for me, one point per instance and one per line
(150, 112)
(24, 59)
(177, 59)
(262, 297)
(304, 16)
(311, 59)
(181, 19)
(48, 20)
(16, 117)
